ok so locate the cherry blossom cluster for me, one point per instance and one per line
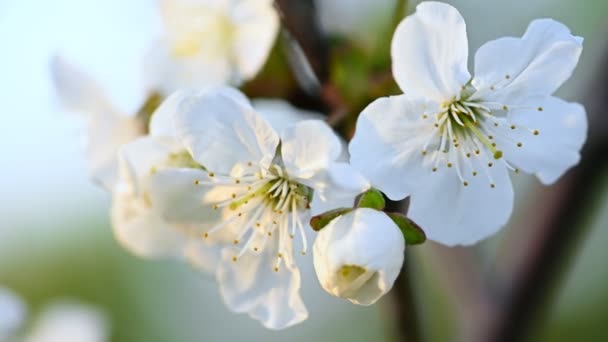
(244, 189)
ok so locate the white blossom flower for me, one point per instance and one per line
(211, 42)
(108, 127)
(12, 313)
(69, 321)
(259, 188)
(451, 139)
(359, 255)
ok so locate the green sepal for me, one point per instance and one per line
(372, 198)
(412, 233)
(320, 221)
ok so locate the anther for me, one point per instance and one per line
(540, 109)
(434, 169)
(492, 185)
(206, 235)
(536, 132)
(196, 182)
(507, 77)
(238, 181)
(519, 144)
(490, 164)
(424, 153)
(236, 242)
(249, 163)
(496, 124)
(512, 126)
(492, 88)
(477, 152)
(211, 174)
(255, 249)
(449, 164)
(504, 107)
(276, 269)
(490, 137)
(466, 183)
(215, 206)
(474, 173)
(279, 255)
(425, 116)
(303, 253)
(269, 233)
(234, 258)
(468, 155)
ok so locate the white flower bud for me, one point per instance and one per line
(358, 255)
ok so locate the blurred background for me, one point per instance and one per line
(55, 238)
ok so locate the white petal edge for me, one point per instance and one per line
(508, 69)
(308, 147)
(562, 131)
(250, 285)
(429, 51)
(453, 214)
(388, 143)
(222, 131)
(256, 27)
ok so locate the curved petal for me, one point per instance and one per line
(250, 285)
(388, 142)
(141, 230)
(108, 129)
(308, 147)
(167, 73)
(76, 90)
(142, 158)
(181, 196)
(221, 131)
(256, 27)
(162, 122)
(204, 255)
(453, 214)
(336, 187)
(429, 52)
(561, 131)
(533, 65)
(281, 114)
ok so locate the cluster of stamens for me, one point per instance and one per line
(465, 132)
(258, 205)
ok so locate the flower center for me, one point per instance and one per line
(203, 30)
(260, 207)
(470, 135)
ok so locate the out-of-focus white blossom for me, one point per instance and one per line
(211, 42)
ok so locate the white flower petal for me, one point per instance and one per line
(180, 200)
(137, 223)
(429, 52)
(336, 187)
(108, 129)
(562, 131)
(256, 27)
(251, 285)
(77, 91)
(388, 143)
(142, 230)
(309, 147)
(453, 214)
(364, 240)
(221, 131)
(281, 114)
(204, 255)
(166, 73)
(162, 122)
(534, 65)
